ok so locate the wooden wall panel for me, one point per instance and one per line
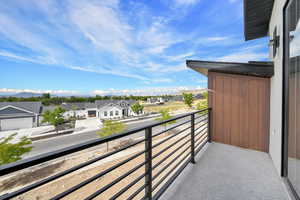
(240, 110)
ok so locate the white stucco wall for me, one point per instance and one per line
(79, 113)
(108, 109)
(276, 87)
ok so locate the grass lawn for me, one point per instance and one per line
(171, 106)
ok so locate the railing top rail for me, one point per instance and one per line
(29, 162)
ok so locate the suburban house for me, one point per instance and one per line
(156, 100)
(19, 115)
(246, 145)
(79, 110)
(109, 109)
(102, 109)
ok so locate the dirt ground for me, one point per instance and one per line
(171, 106)
(60, 185)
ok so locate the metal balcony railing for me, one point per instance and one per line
(175, 151)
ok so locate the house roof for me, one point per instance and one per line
(257, 14)
(69, 106)
(90, 105)
(121, 103)
(111, 105)
(259, 69)
(35, 107)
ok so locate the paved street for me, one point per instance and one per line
(52, 144)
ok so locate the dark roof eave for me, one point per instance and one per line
(257, 15)
(258, 69)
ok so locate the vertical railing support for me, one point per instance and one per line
(209, 126)
(148, 165)
(193, 138)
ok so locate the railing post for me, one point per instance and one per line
(193, 138)
(148, 165)
(209, 125)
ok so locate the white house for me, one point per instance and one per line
(110, 109)
(156, 100)
(19, 115)
(103, 109)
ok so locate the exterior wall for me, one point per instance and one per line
(16, 123)
(240, 110)
(108, 110)
(78, 113)
(276, 87)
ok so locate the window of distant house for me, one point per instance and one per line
(111, 113)
(117, 112)
(105, 113)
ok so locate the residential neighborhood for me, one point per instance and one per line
(22, 115)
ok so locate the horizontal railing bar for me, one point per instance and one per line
(200, 126)
(198, 148)
(177, 117)
(157, 134)
(172, 169)
(137, 192)
(169, 146)
(89, 180)
(66, 172)
(169, 164)
(201, 121)
(201, 139)
(170, 181)
(163, 141)
(199, 116)
(103, 189)
(29, 162)
(201, 131)
(127, 187)
(170, 154)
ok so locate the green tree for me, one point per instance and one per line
(188, 99)
(137, 108)
(11, 152)
(165, 115)
(205, 94)
(54, 117)
(202, 104)
(46, 96)
(110, 127)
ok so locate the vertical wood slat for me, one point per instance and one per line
(227, 109)
(219, 109)
(240, 107)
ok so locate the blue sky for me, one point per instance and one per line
(117, 46)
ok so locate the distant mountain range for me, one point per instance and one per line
(23, 94)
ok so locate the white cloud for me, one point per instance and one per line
(57, 92)
(185, 2)
(243, 57)
(147, 91)
(180, 57)
(89, 36)
(245, 54)
(218, 41)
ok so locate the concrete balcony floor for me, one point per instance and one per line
(225, 172)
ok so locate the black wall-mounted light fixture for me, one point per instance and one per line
(275, 42)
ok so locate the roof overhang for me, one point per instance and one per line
(257, 14)
(259, 69)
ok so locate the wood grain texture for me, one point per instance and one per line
(240, 108)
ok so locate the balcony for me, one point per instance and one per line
(176, 163)
(227, 172)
